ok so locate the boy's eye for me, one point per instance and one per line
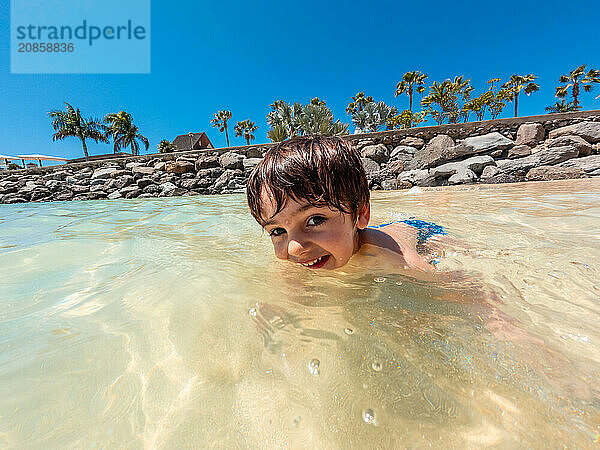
(316, 220)
(277, 232)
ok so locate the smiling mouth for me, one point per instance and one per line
(316, 263)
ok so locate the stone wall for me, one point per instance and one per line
(552, 146)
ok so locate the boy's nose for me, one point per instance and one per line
(296, 247)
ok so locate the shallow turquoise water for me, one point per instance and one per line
(167, 323)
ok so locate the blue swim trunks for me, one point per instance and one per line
(425, 229)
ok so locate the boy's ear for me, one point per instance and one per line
(363, 217)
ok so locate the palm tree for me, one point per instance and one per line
(374, 116)
(441, 94)
(124, 132)
(561, 107)
(220, 121)
(515, 84)
(69, 123)
(165, 146)
(411, 82)
(358, 102)
(314, 118)
(245, 128)
(574, 79)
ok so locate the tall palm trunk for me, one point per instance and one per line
(516, 103)
(410, 94)
(248, 140)
(85, 152)
(226, 135)
(575, 95)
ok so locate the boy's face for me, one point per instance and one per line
(316, 237)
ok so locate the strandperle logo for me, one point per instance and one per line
(82, 32)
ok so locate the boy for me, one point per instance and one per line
(312, 196)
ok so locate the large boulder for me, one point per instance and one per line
(479, 144)
(463, 177)
(590, 131)
(488, 172)
(207, 162)
(378, 153)
(371, 167)
(474, 164)
(179, 167)
(584, 147)
(411, 141)
(403, 152)
(230, 160)
(142, 170)
(432, 154)
(519, 151)
(415, 177)
(546, 173)
(589, 164)
(546, 157)
(103, 173)
(530, 134)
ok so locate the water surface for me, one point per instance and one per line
(168, 323)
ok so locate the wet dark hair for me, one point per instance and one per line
(324, 171)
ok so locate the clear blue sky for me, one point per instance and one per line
(238, 56)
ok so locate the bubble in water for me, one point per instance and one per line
(313, 366)
(376, 366)
(252, 312)
(379, 279)
(348, 331)
(399, 283)
(368, 416)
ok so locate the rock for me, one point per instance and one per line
(179, 167)
(131, 165)
(151, 189)
(96, 195)
(55, 185)
(143, 182)
(411, 141)
(590, 131)
(230, 160)
(530, 134)
(389, 185)
(403, 184)
(103, 174)
(207, 162)
(254, 152)
(474, 164)
(403, 150)
(142, 170)
(549, 156)
(596, 148)
(478, 144)
(160, 165)
(378, 153)
(97, 182)
(40, 194)
(503, 178)
(59, 175)
(224, 179)
(589, 164)
(188, 184)
(489, 171)
(579, 143)
(80, 189)
(370, 166)
(432, 154)
(123, 181)
(119, 173)
(415, 177)
(10, 199)
(463, 177)
(114, 195)
(250, 164)
(545, 173)
(395, 167)
(71, 180)
(64, 196)
(167, 188)
(130, 191)
(97, 187)
(519, 151)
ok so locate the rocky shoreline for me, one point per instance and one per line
(554, 146)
